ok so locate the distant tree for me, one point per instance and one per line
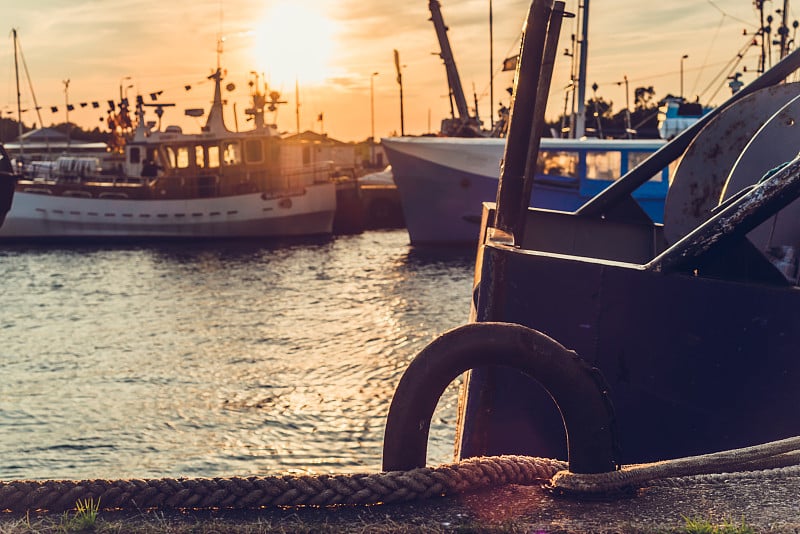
(642, 97)
(600, 107)
(644, 117)
(598, 116)
(9, 131)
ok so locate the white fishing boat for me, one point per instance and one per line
(170, 184)
(444, 181)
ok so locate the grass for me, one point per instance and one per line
(704, 526)
(84, 518)
(502, 511)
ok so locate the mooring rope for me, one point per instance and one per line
(290, 490)
(734, 463)
(775, 460)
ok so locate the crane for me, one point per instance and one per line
(465, 125)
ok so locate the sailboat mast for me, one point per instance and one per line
(19, 96)
(491, 68)
(297, 104)
(580, 119)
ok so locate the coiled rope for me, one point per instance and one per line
(775, 460)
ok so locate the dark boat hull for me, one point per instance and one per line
(694, 364)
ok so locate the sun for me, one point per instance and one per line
(293, 42)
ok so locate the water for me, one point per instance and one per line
(222, 359)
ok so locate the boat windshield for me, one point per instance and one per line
(559, 163)
(605, 165)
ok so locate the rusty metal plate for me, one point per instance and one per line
(702, 171)
(777, 142)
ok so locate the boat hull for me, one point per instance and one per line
(443, 183)
(35, 215)
(7, 184)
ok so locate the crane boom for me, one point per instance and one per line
(446, 54)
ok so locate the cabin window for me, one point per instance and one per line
(231, 153)
(199, 157)
(559, 163)
(183, 157)
(603, 165)
(253, 151)
(135, 155)
(172, 160)
(213, 157)
(636, 158)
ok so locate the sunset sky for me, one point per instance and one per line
(332, 47)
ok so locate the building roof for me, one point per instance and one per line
(313, 137)
(43, 135)
(48, 138)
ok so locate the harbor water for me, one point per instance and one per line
(217, 359)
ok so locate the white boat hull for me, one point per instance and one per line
(38, 216)
(444, 181)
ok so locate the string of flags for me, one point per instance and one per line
(124, 103)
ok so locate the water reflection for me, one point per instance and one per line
(215, 360)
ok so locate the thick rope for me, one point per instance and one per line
(775, 460)
(255, 492)
(776, 454)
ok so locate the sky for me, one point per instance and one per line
(326, 52)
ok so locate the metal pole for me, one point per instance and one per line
(66, 103)
(580, 119)
(628, 108)
(400, 83)
(19, 97)
(522, 122)
(784, 29)
(491, 69)
(537, 125)
(297, 105)
(682, 58)
(372, 118)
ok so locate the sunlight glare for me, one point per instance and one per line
(294, 42)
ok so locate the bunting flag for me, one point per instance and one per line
(510, 63)
(122, 107)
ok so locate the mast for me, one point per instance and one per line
(491, 69)
(215, 122)
(400, 83)
(784, 30)
(19, 104)
(297, 104)
(580, 119)
(66, 108)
